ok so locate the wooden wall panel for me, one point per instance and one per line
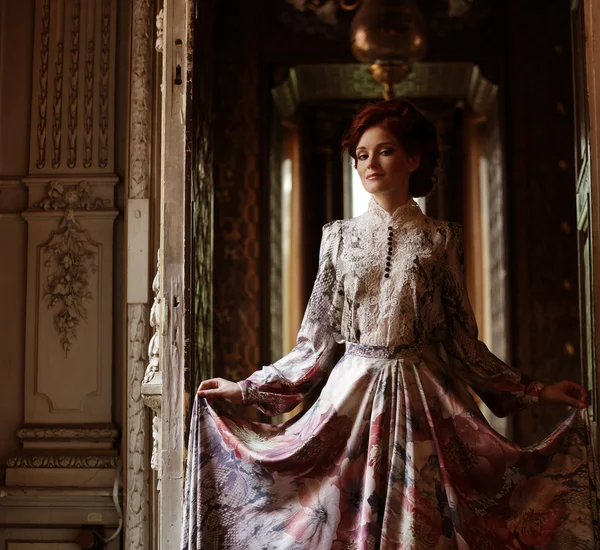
(541, 188)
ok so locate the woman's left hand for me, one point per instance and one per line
(564, 392)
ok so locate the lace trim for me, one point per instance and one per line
(408, 210)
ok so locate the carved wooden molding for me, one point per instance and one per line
(138, 475)
(137, 520)
(65, 461)
(67, 433)
(152, 383)
(160, 22)
(74, 85)
(141, 100)
(155, 317)
(88, 104)
(104, 91)
(58, 96)
(73, 37)
(42, 96)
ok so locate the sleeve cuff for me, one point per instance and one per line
(532, 392)
(249, 392)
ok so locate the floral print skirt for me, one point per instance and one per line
(394, 454)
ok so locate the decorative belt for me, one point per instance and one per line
(387, 352)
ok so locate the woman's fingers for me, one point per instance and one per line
(565, 392)
(574, 394)
(208, 384)
(211, 386)
(210, 393)
(573, 401)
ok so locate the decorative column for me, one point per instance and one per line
(69, 438)
(139, 191)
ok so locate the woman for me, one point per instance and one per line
(394, 454)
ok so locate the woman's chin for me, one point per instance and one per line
(377, 186)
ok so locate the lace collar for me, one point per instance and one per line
(409, 210)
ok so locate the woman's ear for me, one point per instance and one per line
(414, 161)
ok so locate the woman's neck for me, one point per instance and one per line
(391, 202)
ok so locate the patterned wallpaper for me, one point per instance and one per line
(237, 134)
(542, 202)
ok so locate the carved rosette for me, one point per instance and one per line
(69, 258)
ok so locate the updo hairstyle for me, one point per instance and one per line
(415, 133)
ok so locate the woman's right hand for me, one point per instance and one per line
(221, 389)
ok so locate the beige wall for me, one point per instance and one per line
(16, 78)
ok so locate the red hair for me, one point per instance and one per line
(414, 132)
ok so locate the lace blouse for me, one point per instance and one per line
(389, 283)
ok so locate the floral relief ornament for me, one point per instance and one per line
(69, 258)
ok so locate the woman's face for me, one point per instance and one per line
(382, 163)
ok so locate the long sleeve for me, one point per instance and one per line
(504, 389)
(279, 387)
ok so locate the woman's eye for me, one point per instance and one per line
(385, 152)
(362, 157)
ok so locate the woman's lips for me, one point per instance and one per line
(374, 176)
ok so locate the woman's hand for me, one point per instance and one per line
(564, 392)
(222, 389)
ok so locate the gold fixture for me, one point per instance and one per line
(390, 35)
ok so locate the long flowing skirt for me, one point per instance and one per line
(394, 454)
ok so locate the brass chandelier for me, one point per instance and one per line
(388, 35)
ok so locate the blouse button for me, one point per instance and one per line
(387, 275)
(391, 234)
(387, 268)
(390, 227)
(388, 264)
(389, 259)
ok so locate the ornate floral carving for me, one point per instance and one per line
(104, 74)
(153, 401)
(137, 536)
(156, 428)
(155, 316)
(152, 379)
(74, 89)
(67, 433)
(69, 258)
(138, 474)
(141, 101)
(62, 461)
(43, 82)
(160, 22)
